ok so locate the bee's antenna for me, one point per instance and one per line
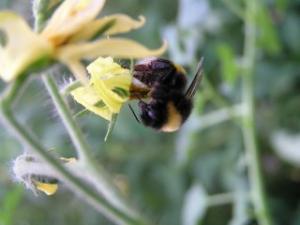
(196, 81)
(135, 116)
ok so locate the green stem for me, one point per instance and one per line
(39, 9)
(220, 199)
(79, 187)
(66, 91)
(102, 180)
(234, 8)
(66, 116)
(248, 122)
(14, 90)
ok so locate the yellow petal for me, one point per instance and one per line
(89, 98)
(109, 25)
(108, 88)
(115, 47)
(47, 188)
(23, 46)
(70, 17)
(108, 97)
(111, 81)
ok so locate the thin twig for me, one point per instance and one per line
(220, 199)
(248, 122)
(197, 123)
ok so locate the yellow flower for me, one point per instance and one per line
(69, 37)
(107, 90)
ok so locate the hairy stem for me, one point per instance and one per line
(90, 195)
(72, 86)
(79, 187)
(66, 116)
(102, 180)
(248, 121)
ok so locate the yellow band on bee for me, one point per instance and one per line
(179, 69)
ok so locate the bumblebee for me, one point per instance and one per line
(170, 103)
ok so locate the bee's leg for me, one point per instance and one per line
(135, 116)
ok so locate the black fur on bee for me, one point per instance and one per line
(152, 70)
(169, 104)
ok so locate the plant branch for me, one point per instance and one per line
(248, 121)
(66, 116)
(198, 123)
(102, 180)
(70, 87)
(220, 199)
(78, 186)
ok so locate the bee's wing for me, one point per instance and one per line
(196, 81)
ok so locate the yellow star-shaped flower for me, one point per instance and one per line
(107, 90)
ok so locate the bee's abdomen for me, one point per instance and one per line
(174, 119)
(184, 107)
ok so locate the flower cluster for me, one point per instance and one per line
(70, 35)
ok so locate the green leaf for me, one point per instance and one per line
(267, 35)
(9, 205)
(281, 5)
(228, 65)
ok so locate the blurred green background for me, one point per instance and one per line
(194, 176)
